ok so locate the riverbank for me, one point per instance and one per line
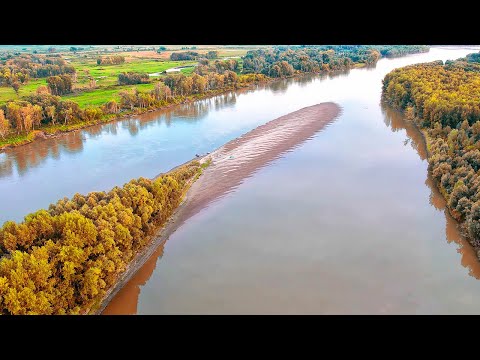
(461, 225)
(229, 165)
(424, 140)
(59, 129)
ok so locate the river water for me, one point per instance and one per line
(348, 222)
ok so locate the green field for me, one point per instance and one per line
(7, 93)
(100, 96)
(106, 77)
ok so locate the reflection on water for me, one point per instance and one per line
(125, 302)
(396, 121)
(32, 155)
(24, 158)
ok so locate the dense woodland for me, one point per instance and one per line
(444, 101)
(64, 259)
(284, 61)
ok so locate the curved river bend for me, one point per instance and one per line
(348, 222)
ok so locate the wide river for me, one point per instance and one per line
(348, 222)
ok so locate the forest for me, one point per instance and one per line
(64, 259)
(443, 100)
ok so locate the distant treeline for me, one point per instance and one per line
(131, 78)
(285, 60)
(64, 259)
(399, 50)
(186, 55)
(444, 101)
(192, 55)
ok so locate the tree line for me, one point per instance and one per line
(64, 259)
(284, 60)
(111, 60)
(280, 63)
(131, 78)
(174, 88)
(185, 55)
(17, 71)
(33, 66)
(219, 66)
(443, 100)
(41, 109)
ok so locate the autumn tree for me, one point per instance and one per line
(51, 113)
(59, 85)
(15, 116)
(42, 89)
(4, 125)
(62, 261)
(16, 86)
(92, 83)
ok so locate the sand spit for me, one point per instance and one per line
(230, 165)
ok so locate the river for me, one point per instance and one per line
(348, 222)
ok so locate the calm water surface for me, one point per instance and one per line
(349, 222)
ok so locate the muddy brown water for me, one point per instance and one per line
(348, 222)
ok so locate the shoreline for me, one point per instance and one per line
(230, 164)
(40, 134)
(460, 225)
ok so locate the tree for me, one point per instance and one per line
(16, 86)
(159, 91)
(212, 55)
(36, 115)
(51, 113)
(92, 83)
(127, 99)
(60, 85)
(27, 117)
(42, 89)
(15, 116)
(4, 125)
(111, 107)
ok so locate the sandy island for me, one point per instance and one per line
(230, 165)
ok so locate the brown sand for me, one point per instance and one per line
(230, 165)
